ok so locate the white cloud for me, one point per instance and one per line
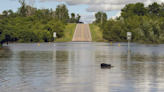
(104, 5)
(148, 2)
(87, 18)
(117, 15)
(93, 13)
(1, 13)
(98, 2)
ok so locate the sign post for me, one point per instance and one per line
(129, 34)
(54, 35)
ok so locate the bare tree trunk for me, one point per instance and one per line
(30, 7)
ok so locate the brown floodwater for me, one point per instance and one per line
(75, 67)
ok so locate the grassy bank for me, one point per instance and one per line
(69, 31)
(97, 33)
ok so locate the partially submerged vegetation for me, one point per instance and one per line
(0, 47)
(30, 24)
(145, 23)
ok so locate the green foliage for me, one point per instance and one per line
(68, 33)
(78, 18)
(57, 27)
(100, 15)
(27, 36)
(62, 13)
(101, 19)
(154, 9)
(139, 9)
(5, 14)
(145, 23)
(133, 9)
(30, 24)
(113, 31)
(31, 29)
(23, 9)
(127, 11)
(72, 19)
(0, 46)
(149, 32)
(2, 36)
(97, 33)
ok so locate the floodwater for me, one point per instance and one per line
(75, 67)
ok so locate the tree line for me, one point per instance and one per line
(29, 24)
(145, 23)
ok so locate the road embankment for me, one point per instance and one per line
(97, 33)
(69, 31)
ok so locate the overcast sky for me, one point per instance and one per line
(86, 8)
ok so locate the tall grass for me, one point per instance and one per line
(69, 31)
(96, 33)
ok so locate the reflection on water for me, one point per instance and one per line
(75, 67)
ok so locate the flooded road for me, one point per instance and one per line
(75, 67)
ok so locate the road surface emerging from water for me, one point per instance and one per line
(82, 33)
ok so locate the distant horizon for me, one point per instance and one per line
(86, 9)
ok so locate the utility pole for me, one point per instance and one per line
(101, 19)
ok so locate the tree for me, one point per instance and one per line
(30, 7)
(139, 9)
(127, 11)
(53, 13)
(36, 26)
(98, 16)
(23, 9)
(2, 38)
(39, 14)
(113, 31)
(47, 12)
(101, 19)
(62, 13)
(10, 12)
(72, 19)
(154, 9)
(5, 13)
(133, 9)
(55, 26)
(78, 18)
(161, 12)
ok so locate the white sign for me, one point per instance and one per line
(54, 34)
(129, 34)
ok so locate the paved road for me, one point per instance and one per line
(82, 33)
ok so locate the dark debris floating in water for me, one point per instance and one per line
(104, 65)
